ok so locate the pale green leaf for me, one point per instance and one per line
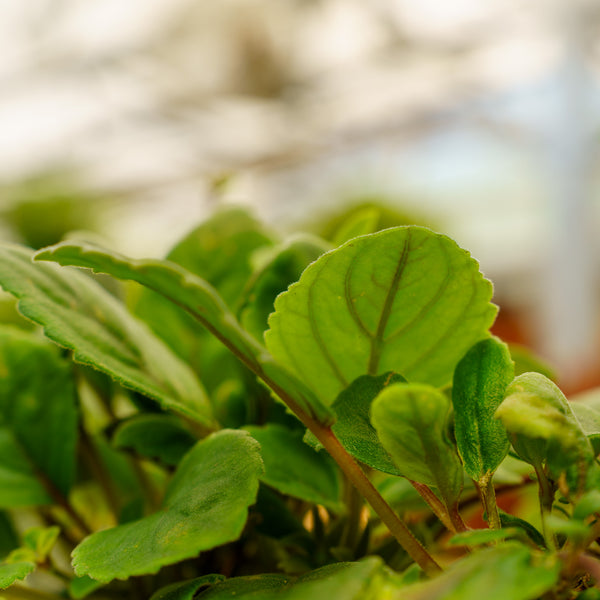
(480, 380)
(79, 314)
(206, 505)
(411, 420)
(201, 301)
(405, 300)
(297, 470)
(9, 573)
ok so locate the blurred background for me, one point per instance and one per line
(136, 118)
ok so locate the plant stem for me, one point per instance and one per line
(546, 497)
(485, 485)
(362, 483)
(435, 504)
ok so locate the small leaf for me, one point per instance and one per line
(283, 268)
(353, 425)
(186, 590)
(404, 299)
(41, 540)
(297, 470)
(480, 380)
(80, 587)
(201, 301)
(479, 537)
(79, 314)
(361, 222)
(411, 420)
(38, 416)
(9, 573)
(541, 424)
(510, 521)
(206, 505)
(162, 437)
(589, 419)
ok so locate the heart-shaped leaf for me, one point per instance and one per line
(206, 505)
(480, 380)
(405, 300)
(79, 314)
(411, 420)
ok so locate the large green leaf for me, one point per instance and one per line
(480, 380)
(405, 300)
(411, 420)
(295, 469)
(38, 418)
(206, 505)
(200, 300)
(79, 314)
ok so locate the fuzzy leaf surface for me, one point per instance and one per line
(77, 313)
(206, 505)
(541, 424)
(202, 301)
(38, 418)
(411, 420)
(353, 425)
(480, 380)
(405, 299)
(295, 469)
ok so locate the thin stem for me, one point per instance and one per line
(362, 483)
(546, 497)
(435, 504)
(485, 485)
(354, 502)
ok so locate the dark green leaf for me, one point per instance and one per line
(186, 590)
(8, 535)
(282, 269)
(155, 436)
(411, 420)
(353, 426)
(9, 573)
(404, 299)
(201, 301)
(297, 470)
(38, 414)
(79, 314)
(80, 587)
(480, 380)
(532, 533)
(206, 505)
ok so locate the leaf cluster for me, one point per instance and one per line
(277, 418)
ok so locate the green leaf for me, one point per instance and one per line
(361, 222)
(206, 505)
(589, 419)
(8, 535)
(509, 571)
(510, 521)
(404, 299)
(411, 420)
(162, 437)
(297, 470)
(79, 314)
(186, 590)
(541, 424)
(282, 269)
(480, 380)
(367, 579)
(479, 537)
(9, 573)
(221, 252)
(353, 425)
(38, 416)
(203, 303)
(41, 540)
(80, 587)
